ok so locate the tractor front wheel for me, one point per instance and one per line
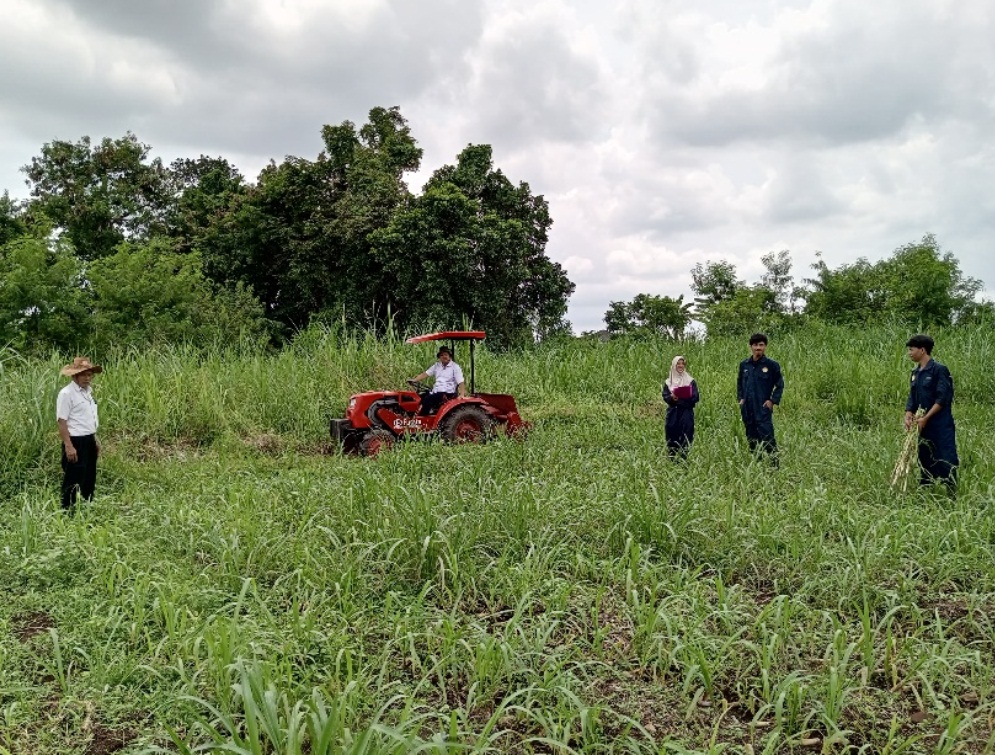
(467, 424)
(376, 441)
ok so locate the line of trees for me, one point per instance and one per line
(115, 248)
(918, 284)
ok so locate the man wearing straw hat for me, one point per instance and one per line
(931, 390)
(76, 412)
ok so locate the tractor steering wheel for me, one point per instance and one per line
(418, 386)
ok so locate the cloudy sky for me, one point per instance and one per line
(662, 133)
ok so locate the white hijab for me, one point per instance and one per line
(677, 379)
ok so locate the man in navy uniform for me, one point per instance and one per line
(931, 389)
(758, 387)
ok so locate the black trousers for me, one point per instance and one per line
(430, 404)
(760, 433)
(80, 475)
(679, 429)
(762, 443)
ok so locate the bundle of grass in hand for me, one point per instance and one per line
(907, 458)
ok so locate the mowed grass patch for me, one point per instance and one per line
(575, 592)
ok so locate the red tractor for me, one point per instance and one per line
(375, 420)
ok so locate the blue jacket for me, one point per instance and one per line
(759, 381)
(930, 385)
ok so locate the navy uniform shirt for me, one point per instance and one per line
(759, 381)
(930, 385)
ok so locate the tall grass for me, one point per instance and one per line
(236, 588)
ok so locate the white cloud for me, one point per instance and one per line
(578, 268)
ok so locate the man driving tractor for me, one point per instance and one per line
(376, 420)
(448, 382)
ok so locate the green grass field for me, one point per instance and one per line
(237, 587)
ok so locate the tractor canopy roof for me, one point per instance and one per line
(450, 335)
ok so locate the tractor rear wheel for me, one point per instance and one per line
(467, 424)
(376, 441)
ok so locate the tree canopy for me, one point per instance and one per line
(647, 314)
(474, 242)
(113, 247)
(99, 195)
(919, 284)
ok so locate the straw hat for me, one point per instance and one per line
(80, 364)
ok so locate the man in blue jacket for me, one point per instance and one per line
(931, 389)
(758, 388)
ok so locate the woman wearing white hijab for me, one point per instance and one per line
(680, 393)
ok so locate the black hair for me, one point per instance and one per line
(444, 350)
(921, 341)
(758, 338)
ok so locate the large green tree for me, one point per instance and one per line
(42, 302)
(337, 236)
(100, 194)
(778, 280)
(730, 306)
(147, 293)
(919, 284)
(713, 282)
(203, 192)
(471, 248)
(851, 293)
(648, 314)
(750, 309)
(926, 284)
(300, 237)
(13, 223)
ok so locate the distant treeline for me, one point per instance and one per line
(115, 249)
(919, 285)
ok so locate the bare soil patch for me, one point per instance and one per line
(106, 741)
(28, 625)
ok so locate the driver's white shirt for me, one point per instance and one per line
(447, 377)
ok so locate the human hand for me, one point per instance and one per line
(98, 446)
(742, 401)
(921, 423)
(768, 404)
(71, 453)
